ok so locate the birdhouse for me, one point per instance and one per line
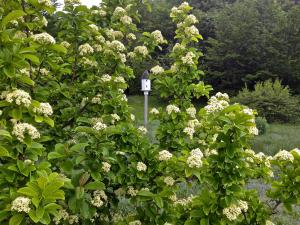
(146, 82)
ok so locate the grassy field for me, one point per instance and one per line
(278, 136)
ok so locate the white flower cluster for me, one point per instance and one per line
(114, 34)
(106, 78)
(44, 109)
(87, 62)
(85, 49)
(164, 155)
(94, 27)
(64, 215)
(119, 79)
(169, 181)
(119, 11)
(65, 44)
(100, 12)
(191, 31)
(142, 129)
(25, 72)
(116, 45)
(190, 19)
(21, 204)
(20, 97)
(157, 70)
(135, 222)
(191, 111)
(154, 111)
(158, 37)
(20, 129)
(43, 38)
(172, 108)
(44, 71)
(99, 126)
(178, 47)
(131, 191)
(253, 130)
(177, 11)
(97, 48)
(141, 166)
(99, 198)
(184, 201)
(194, 123)
(189, 131)
(131, 36)
(43, 21)
(106, 167)
(141, 50)
(208, 152)
(132, 117)
(195, 158)
(115, 117)
(188, 59)
(284, 155)
(96, 99)
(126, 20)
(233, 211)
(217, 103)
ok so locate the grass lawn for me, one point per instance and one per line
(278, 136)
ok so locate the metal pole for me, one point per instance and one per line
(146, 108)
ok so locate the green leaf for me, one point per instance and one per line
(49, 121)
(159, 201)
(58, 48)
(145, 193)
(16, 219)
(96, 185)
(28, 191)
(5, 134)
(79, 146)
(54, 155)
(17, 113)
(3, 151)
(32, 58)
(15, 14)
(26, 80)
(40, 212)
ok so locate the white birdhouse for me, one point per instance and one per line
(146, 83)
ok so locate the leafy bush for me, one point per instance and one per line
(261, 124)
(272, 100)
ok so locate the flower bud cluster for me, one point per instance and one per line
(20, 97)
(195, 158)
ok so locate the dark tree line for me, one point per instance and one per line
(245, 41)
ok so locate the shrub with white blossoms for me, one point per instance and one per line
(158, 37)
(169, 181)
(106, 78)
(188, 59)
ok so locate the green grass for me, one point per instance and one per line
(278, 136)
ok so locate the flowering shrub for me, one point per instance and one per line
(70, 149)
